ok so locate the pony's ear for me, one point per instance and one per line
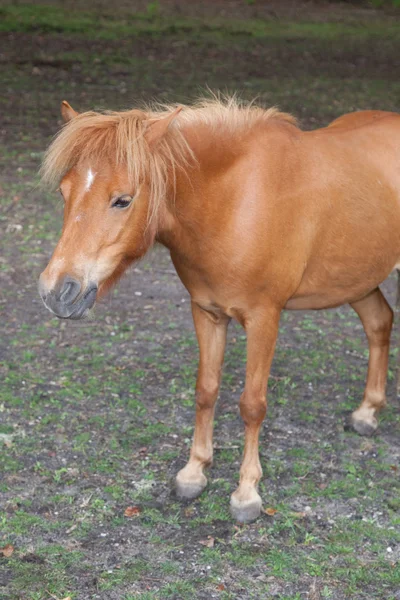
(67, 112)
(157, 128)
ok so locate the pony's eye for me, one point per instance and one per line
(122, 202)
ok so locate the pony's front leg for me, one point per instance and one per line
(211, 334)
(262, 332)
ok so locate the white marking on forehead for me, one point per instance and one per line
(89, 179)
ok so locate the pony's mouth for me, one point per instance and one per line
(84, 305)
(78, 309)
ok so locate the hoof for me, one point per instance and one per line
(188, 490)
(363, 421)
(246, 511)
(366, 428)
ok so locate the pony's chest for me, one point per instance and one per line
(213, 289)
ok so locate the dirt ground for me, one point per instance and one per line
(97, 417)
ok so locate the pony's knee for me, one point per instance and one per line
(253, 407)
(206, 394)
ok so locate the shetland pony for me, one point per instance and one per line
(258, 215)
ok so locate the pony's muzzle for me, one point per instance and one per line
(67, 300)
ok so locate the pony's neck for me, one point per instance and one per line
(214, 150)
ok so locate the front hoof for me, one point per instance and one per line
(364, 422)
(366, 428)
(188, 489)
(245, 511)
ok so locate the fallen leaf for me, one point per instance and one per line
(7, 550)
(299, 515)
(221, 587)
(87, 500)
(270, 511)
(132, 511)
(209, 542)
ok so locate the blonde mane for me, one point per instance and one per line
(119, 137)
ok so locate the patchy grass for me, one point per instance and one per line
(98, 417)
(107, 24)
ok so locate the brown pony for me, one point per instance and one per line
(258, 216)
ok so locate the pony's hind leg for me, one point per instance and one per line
(377, 318)
(211, 335)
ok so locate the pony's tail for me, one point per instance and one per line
(397, 311)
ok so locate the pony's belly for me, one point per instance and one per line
(327, 292)
(319, 302)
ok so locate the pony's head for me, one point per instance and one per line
(113, 170)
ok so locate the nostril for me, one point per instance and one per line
(65, 291)
(69, 290)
